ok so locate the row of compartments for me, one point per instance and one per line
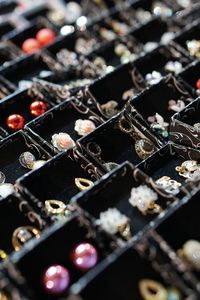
(84, 42)
(155, 238)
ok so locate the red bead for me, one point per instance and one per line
(37, 108)
(45, 36)
(84, 256)
(198, 84)
(30, 45)
(15, 122)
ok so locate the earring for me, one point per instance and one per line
(45, 36)
(37, 108)
(189, 169)
(6, 189)
(198, 86)
(113, 222)
(144, 199)
(15, 122)
(84, 256)
(95, 150)
(190, 253)
(28, 160)
(193, 47)
(23, 234)
(153, 290)
(158, 125)
(173, 67)
(83, 184)
(169, 185)
(110, 108)
(176, 106)
(62, 141)
(143, 147)
(56, 279)
(153, 78)
(84, 127)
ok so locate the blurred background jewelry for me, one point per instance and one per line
(169, 185)
(174, 67)
(3, 256)
(110, 108)
(153, 77)
(193, 47)
(190, 253)
(144, 199)
(83, 184)
(197, 126)
(143, 146)
(62, 141)
(113, 222)
(153, 290)
(23, 234)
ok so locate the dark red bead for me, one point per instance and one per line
(45, 36)
(15, 122)
(37, 108)
(56, 279)
(30, 45)
(84, 256)
(198, 84)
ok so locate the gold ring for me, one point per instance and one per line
(23, 234)
(83, 184)
(55, 207)
(152, 290)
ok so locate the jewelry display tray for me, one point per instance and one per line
(152, 251)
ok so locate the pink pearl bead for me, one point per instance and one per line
(56, 279)
(85, 256)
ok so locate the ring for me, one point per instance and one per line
(23, 234)
(83, 184)
(55, 207)
(84, 127)
(113, 222)
(189, 169)
(190, 253)
(152, 290)
(62, 141)
(144, 199)
(169, 185)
